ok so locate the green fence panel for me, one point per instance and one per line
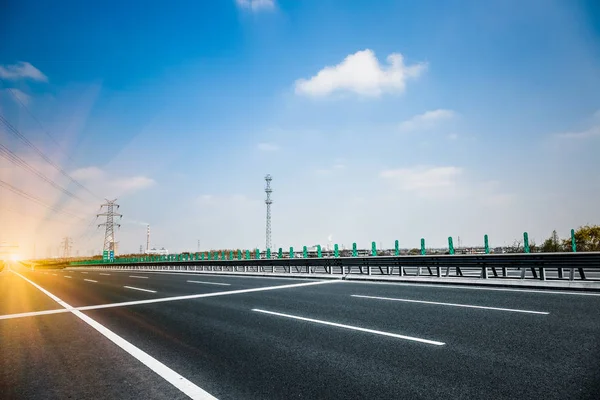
(269, 253)
(291, 252)
(336, 250)
(450, 245)
(319, 252)
(354, 250)
(423, 247)
(396, 248)
(486, 243)
(280, 253)
(373, 249)
(573, 243)
(526, 242)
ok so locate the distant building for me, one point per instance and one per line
(161, 252)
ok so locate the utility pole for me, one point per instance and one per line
(198, 245)
(110, 214)
(268, 202)
(66, 246)
(147, 238)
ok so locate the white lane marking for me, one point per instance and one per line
(452, 304)
(67, 276)
(447, 286)
(184, 385)
(229, 275)
(54, 274)
(139, 277)
(137, 288)
(90, 280)
(211, 283)
(83, 272)
(45, 273)
(354, 328)
(199, 296)
(163, 299)
(34, 313)
(104, 274)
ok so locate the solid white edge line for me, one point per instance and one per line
(458, 286)
(211, 283)
(139, 277)
(90, 280)
(181, 383)
(354, 328)
(451, 304)
(166, 299)
(143, 290)
(67, 276)
(104, 274)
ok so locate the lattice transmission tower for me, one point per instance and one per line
(268, 202)
(110, 214)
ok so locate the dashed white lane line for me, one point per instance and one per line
(139, 277)
(90, 280)
(55, 274)
(140, 289)
(67, 276)
(452, 304)
(354, 328)
(211, 283)
(83, 272)
(181, 383)
(104, 274)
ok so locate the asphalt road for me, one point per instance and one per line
(233, 337)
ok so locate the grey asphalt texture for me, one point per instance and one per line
(232, 352)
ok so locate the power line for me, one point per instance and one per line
(35, 199)
(18, 134)
(18, 100)
(15, 159)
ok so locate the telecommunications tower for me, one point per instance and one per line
(110, 214)
(268, 202)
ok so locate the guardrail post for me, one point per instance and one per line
(354, 251)
(450, 245)
(396, 248)
(486, 244)
(319, 253)
(526, 242)
(373, 249)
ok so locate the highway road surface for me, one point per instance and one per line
(85, 334)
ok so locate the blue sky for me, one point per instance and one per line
(399, 120)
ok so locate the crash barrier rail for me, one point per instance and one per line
(541, 266)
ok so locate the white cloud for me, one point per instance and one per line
(453, 136)
(585, 134)
(427, 120)
(22, 70)
(133, 183)
(421, 177)
(361, 73)
(88, 173)
(267, 147)
(256, 5)
(19, 94)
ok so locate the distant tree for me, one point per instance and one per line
(516, 247)
(414, 252)
(587, 238)
(552, 244)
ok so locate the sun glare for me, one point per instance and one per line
(15, 257)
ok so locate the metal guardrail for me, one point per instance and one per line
(542, 266)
